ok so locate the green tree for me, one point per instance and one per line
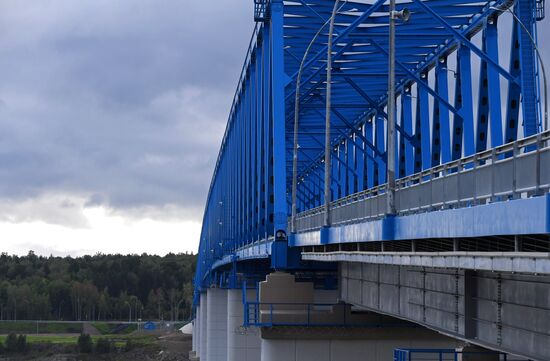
(85, 344)
(11, 343)
(103, 345)
(36, 287)
(21, 343)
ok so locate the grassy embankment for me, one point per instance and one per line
(67, 333)
(29, 327)
(119, 340)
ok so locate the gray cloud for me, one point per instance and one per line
(123, 103)
(120, 103)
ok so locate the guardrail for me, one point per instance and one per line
(259, 314)
(513, 170)
(445, 354)
(293, 314)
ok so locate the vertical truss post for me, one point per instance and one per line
(436, 122)
(390, 153)
(360, 162)
(443, 85)
(464, 123)
(526, 13)
(253, 174)
(406, 109)
(239, 174)
(260, 139)
(268, 139)
(279, 253)
(246, 157)
(350, 157)
(370, 164)
(328, 109)
(483, 102)
(495, 105)
(417, 136)
(424, 134)
(336, 174)
(514, 89)
(379, 143)
(342, 178)
(458, 119)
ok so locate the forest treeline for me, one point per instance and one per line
(100, 287)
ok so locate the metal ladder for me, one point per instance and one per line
(261, 10)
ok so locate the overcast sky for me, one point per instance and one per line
(111, 115)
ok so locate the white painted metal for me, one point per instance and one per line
(516, 262)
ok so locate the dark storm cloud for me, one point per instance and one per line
(122, 102)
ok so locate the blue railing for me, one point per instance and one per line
(295, 314)
(446, 354)
(259, 314)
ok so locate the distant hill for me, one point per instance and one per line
(100, 287)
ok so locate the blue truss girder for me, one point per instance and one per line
(438, 117)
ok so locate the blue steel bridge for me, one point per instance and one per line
(446, 220)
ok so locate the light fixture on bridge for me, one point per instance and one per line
(280, 235)
(404, 15)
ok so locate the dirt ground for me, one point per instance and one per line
(168, 347)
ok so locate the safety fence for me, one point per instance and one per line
(519, 169)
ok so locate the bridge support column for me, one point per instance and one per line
(203, 320)
(194, 336)
(194, 354)
(216, 325)
(242, 344)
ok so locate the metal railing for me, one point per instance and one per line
(259, 314)
(513, 170)
(294, 314)
(446, 354)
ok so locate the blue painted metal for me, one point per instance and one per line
(443, 354)
(245, 218)
(257, 314)
(452, 223)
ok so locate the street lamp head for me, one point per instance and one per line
(404, 15)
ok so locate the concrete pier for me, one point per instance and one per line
(325, 330)
(203, 321)
(193, 355)
(326, 344)
(242, 344)
(216, 321)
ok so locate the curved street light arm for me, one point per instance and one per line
(297, 118)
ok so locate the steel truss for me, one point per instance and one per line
(449, 103)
